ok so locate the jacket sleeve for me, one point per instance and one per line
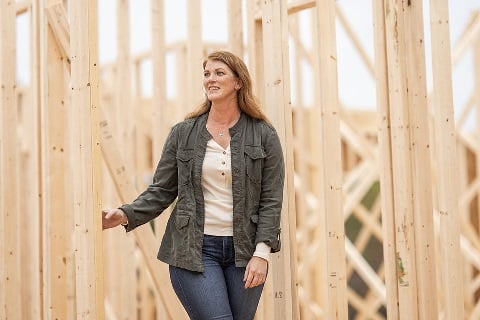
(271, 196)
(162, 192)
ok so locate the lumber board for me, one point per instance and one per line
(300, 149)
(126, 114)
(57, 19)
(277, 106)
(402, 120)
(162, 114)
(412, 216)
(57, 234)
(22, 6)
(420, 142)
(86, 158)
(476, 132)
(235, 32)
(331, 172)
(445, 155)
(194, 56)
(385, 156)
(160, 110)
(406, 284)
(467, 39)
(181, 69)
(10, 278)
(316, 178)
(33, 172)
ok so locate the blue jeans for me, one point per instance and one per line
(218, 292)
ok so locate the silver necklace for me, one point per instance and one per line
(220, 133)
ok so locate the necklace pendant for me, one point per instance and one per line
(221, 134)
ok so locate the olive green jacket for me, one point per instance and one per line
(257, 188)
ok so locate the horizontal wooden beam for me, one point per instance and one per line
(299, 5)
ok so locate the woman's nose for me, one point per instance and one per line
(210, 81)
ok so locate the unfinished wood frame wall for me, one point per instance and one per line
(362, 175)
(45, 118)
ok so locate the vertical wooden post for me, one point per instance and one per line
(56, 159)
(256, 58)
(331, 198)
(235, 27)
(124, 109)
(476, 94)
(410, 174)
(182, 67)
(194, 55)
(254, 37)
(86, 160)
(306, 231)
(126, 114)
(419, 131)
(386, 174)
(445, 154)
(160, 123)
(10, 280)
(401, 164)
(316, 178)
(34, 171)
(161, 113)
(58, 257)
(277, 106)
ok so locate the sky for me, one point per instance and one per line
(356, 85)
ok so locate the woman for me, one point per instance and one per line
(224, 167)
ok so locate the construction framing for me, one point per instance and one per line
(381, 214)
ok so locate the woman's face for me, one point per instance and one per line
(219, 81)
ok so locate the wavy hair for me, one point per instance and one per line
(247, 102)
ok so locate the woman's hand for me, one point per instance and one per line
(256, 272)
(113, 217)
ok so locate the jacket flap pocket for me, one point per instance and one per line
(185, 154)
(181, 221)
(255, 152)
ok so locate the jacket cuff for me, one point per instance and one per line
(130, 217)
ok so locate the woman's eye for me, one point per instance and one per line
(220, 73)
(206, 74)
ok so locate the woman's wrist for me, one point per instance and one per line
(262, 250)
(124, 219)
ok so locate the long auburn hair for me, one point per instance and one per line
(247, 102)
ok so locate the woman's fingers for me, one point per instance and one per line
(256, 272)
(108, 213)
(111, 218)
